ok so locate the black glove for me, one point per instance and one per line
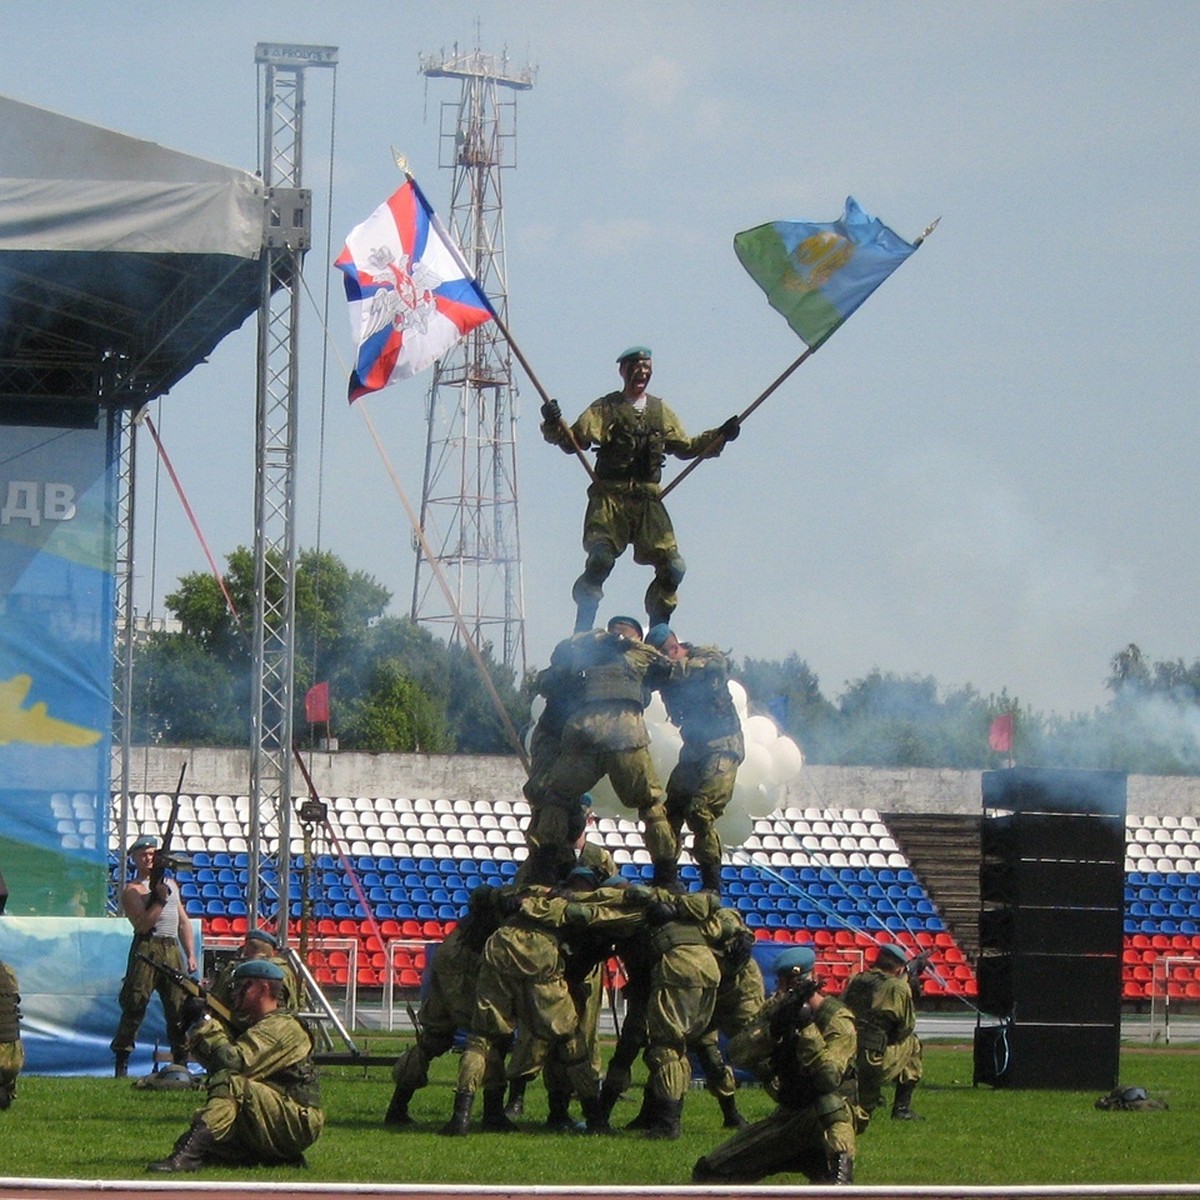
(738, 948)
(192, 1010)
(731, 428)
(509, 904)
(790, 1017)
(660, 912)
(551, 412)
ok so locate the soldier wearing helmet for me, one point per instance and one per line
(889, 1050)
(802, 1045)
(632, 433)
(264, 1101)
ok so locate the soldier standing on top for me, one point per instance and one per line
(632, 433)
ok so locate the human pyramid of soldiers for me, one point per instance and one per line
(522, 973)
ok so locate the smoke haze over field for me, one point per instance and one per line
(987, 476)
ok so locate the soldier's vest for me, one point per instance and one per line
(859, 997)
(675, 933)
(701, 706)
(606, 675)
(635, 446)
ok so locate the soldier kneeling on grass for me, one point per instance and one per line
(264, 1101)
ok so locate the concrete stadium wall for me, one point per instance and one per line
(475, 777)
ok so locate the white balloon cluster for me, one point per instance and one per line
(772, 761)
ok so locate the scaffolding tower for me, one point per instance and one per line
(469, 514)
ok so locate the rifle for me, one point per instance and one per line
(163, 859)
(916, 967)
(187, 984)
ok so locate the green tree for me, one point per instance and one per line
(393, 686)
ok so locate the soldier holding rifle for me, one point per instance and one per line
(161, 933)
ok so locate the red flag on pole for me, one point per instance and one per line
(316, 704)
(1000, 735)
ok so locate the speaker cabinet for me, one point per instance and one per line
(1079, 1057)
(1072, 989)
(1052, 898)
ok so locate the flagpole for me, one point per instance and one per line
(505, 332)
(455, 611)
(781, 379)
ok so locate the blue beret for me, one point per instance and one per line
(261, 935)
(633, 622)
(894, 951)
(258, 968)
(795, 958)
(657, 634)
(145, 842)
(587, 799)
(634, 353)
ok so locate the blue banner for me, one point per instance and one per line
(57, 536)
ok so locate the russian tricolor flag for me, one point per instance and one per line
(410, 293)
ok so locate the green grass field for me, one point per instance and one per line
(104, 1129)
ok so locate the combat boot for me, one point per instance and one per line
(666, 876)
(595, 1116)
(645, 1117)
(192, 1151)
(586, 608)
(494, 1118)
(902, 1107)
(559, 1119)
(8, 1092)
(121, 1066)
(841, 1168)
(710, 877)
(607, 1100)
(397, 1113)
(665, 1124)
(459, 1124)
(729, 1110)
(515, 1107)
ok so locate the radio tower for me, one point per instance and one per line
(469, 494)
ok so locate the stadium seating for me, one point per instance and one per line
(834, 878)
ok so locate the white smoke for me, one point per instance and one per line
(772, 761)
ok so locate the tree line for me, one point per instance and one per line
(395, 687)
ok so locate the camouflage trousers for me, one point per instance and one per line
(254, 1122)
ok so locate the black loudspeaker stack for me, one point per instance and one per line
(1051, 921)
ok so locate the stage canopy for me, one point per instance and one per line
(122, 264)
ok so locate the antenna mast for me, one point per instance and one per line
(469, 493)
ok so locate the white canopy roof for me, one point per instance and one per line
(115, 250)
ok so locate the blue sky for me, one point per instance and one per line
(988, 475)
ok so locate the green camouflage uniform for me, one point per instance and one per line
(697, 699)
(585, 980)
(605, 734)
(740, 997)
(264, 1100)
(142, 981)
(811, 1078)
(449, 1004)
(624, 506)
(521, 982)
(675, 976)
(12, 1053)
(889, 1050)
